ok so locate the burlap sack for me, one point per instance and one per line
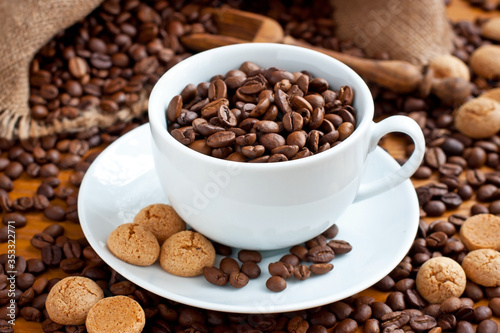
(25, 26)
(415, 31)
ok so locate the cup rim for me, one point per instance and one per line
(157, 116)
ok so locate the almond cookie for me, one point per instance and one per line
(481, 231)
(116, 314)
(440, 278)
(134, 244)
(483, 267)
(186, 253)
(70, 299)
(161, 219)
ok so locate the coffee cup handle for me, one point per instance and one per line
(401, 124)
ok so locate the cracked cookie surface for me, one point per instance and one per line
(134, 244)
(70, 299)
(186, 253)
(481, 231)
(440, 278)
(483, 267)
(116, 314)
(161, 219)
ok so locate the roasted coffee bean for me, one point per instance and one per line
(25, 280)
(51, 255)
(41, 240)
(494, 305)
(72, 249)
(434, 157)
(14, 170)
(476, 157)
(385, 284)
(320, 254)
(319, 269)
(51, 326)
(475, 177)
(40, 202)
(250, 269)
(404, 284)
(434, 208)
(465, 313)
(457, 220)
(284, 270)
(26, 297)
(55, 213)
(6, 183)
(276, 283)
(413, 299)
(216, 276)
(30, 314)
(340, 246)
(23, 204)
(396, 318)
(487, 326)
(301, 272)
(54, 230)
(249, 255)
(331, 232)
(347, 325)
(447, 322)
(423, 172)
(482, 312)
(299, 251)
(46, 190)
(71, 265)
(436, 239)
(122, 288)
(422, 323)
(238, 279)
(319, 240)
(14, 220)
(35, 265)
(95, 273)
(396, 301)
(229, 265)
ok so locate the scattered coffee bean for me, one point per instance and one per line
(276, 283)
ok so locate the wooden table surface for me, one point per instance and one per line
(26, 186)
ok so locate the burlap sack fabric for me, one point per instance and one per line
(415, 31)
(27, 25)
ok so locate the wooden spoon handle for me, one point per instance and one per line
(202, 41)
(398, 76)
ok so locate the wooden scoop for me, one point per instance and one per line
(236, 26)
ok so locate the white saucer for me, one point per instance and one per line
(381, 230)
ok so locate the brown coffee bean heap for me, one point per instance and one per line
(260, 115)
(111, 59)
(319, 251)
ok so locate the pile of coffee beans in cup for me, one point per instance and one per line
(392, 305)
(259, 115)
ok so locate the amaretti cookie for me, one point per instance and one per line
(161, 219)
(483, 267)
(186, 253)
(134, 244)
(481, 231)
(70, 299)
(116, 314)
(440, 278)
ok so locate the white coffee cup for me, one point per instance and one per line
(271, 205)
